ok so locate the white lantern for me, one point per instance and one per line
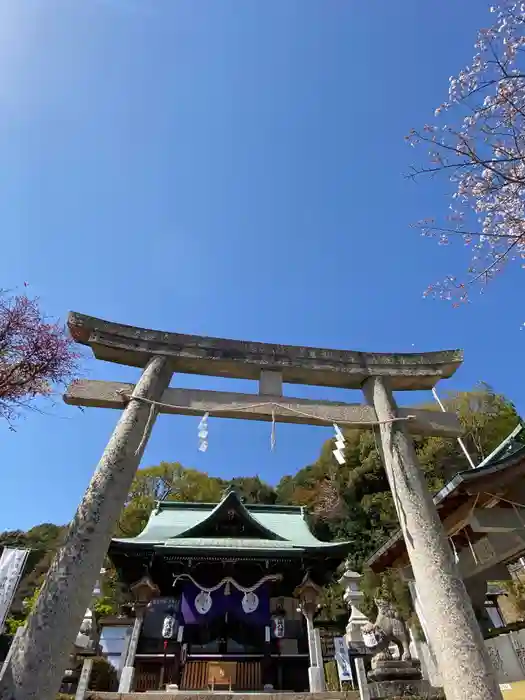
(168, 627)
(278, 626)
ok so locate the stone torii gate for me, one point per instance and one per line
(40, 654)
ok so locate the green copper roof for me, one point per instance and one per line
(189, 526)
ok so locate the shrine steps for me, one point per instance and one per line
(218, 695)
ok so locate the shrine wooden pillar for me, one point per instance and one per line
(128, 670)
(144, 591)
(267, 674)
(308, 595)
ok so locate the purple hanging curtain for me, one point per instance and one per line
(260, 616)
(222, 604)
(190, 615)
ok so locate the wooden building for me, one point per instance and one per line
(241, 584)
(483, 514)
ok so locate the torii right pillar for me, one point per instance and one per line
(455, 634)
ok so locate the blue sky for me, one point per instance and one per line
(230, 168)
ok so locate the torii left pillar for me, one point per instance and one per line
(40, 656)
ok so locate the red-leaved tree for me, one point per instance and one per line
(35, 355)
(478, 141)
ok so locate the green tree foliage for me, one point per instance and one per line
(42, 541)
(114, 594)
(354, 501)
(173, 482)
(487, 418)
(103, 676)
(168, 481)
(253, 490)
(515, 590)
(387, 586)
(104, 606)
(14, 621)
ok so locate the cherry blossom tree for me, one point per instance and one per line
(478, 141)
(35, 355)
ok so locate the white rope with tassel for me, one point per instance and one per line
(229, 580)
(275, 406)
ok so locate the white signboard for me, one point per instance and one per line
(342, 659)
(12, 564)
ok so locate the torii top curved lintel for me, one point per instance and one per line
(130, 345)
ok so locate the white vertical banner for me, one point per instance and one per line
(344, 669)
(12, 564)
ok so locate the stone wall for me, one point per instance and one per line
(420, 650)
(507, 652)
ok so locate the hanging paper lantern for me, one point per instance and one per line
(168, 627)
(278, 626)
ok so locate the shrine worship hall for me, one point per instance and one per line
(225, 596)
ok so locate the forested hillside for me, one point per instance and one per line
(349, 502)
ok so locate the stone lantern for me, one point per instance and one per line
(353, 597)
(308, 594)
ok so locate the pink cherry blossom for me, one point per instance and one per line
(481, 149)
(35, 354)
